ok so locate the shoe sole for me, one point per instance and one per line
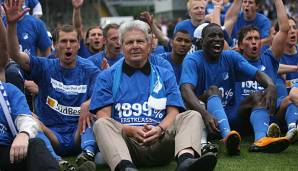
(206, 163)
(275, 147)
(232, 145)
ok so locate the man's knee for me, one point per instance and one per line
(105, 124)
(192, 115)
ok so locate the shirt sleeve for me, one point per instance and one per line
(102, 95)
(265, 28)
(245, 69)
(17, 101)
(190, 71)
(44, 42)
(38, 66)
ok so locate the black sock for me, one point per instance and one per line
(184, 156)
(124, 164)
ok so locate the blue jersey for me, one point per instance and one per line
(18, 105)
(224, 74)
(291, 78)
(267, 64)
(61, 90)
(98, 57)
(130, 104)
(261, 22)
(30, 4)
(160, 61)
(187, 25)
(84, 52)
(158, 50)
(177, 68)
(32, 35)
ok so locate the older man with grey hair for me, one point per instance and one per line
(137, 104)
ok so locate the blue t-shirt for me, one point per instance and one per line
(267, 64)
(130, 105)
(98, 57)
(84, 52)
(224, 74)
(291, 78)
(158, 50)
(31, 3)
(18, 105)
(32, 35)
(187, 25)
(61, 90)
(177, 68)
(261, 22)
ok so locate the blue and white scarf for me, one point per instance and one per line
(6, 109)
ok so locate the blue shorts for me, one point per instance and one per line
(67, 144)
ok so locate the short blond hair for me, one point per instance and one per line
(190, 1)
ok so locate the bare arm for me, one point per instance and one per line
(280, 38)
(76, 17)
(4, 51)
(232, 15)
(270, 91)
(284, 69)
(148, 18)
(105, 112)
(13, 14)
(194, 103)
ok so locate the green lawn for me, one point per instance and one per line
(285, 161)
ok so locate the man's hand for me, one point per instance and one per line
(31, 87)
(77, 3)
(152, 134)
(13, 10)
(211, 123)
(19, 147)
(86, 118)
(137, 132)
(217, 3)
(104, 64)
(270, 97)
(147, 17)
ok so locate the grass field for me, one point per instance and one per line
(285, 161)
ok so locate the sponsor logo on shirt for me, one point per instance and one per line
(68, 89)
(64, 110)
(262, 68)
(138, 114)
(25, 36)
(225, 75)
(249, 87)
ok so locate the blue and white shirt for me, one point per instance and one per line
(61, 90)
(230, 68)
(130, 104)
(261, 22)
(18, 105)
